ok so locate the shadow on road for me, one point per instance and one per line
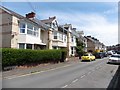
(115, 82)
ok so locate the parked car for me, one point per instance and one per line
(99, 55)
(114, 59)
(111, 52)
(88, 56)
(118, 52)
(105, 54)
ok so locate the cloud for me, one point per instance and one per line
(112, 11)
(92, 24)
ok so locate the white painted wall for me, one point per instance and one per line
(60, 44)
(25, 38)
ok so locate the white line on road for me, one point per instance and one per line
(97, 68)
(89, 72)
(75, 81)
(82, 76)
(65, 86)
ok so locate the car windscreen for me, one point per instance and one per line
(85, 54)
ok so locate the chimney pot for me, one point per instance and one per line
(30, 15)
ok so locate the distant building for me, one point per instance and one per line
(114, 47)
(94, 44)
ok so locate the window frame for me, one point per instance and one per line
(22, 28)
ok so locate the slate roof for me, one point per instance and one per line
(48, 20)
(36, 21)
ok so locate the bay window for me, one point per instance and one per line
(55, 35)
(22, 27)
(29, 29)
(21, 46)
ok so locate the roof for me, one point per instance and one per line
(11, 12)
(75, 33)
(91, 39)
(72, 30)
(48, 20)
(94, 40)
(36, 21)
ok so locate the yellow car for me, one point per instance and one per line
(88, 56)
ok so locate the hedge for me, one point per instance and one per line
(11, 57)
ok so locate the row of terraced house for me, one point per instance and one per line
(28, 32)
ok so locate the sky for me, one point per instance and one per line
(98, 19)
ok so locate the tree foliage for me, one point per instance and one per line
(80, 47)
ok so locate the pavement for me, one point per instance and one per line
(23, 70)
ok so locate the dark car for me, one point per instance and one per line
(104, 54)
(117, 52)
(99, 55)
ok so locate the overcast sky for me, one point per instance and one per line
(98, 19)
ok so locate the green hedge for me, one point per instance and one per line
(11, 57)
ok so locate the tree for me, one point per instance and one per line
(80, 48)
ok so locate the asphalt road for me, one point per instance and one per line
(95, 74)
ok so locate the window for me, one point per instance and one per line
(21, 46)
(29, 46)
(29, 32)
(64, 38)
(29, 26)
(29, 29)
(54, 25)
(72, 39)
(22, 30)
(72, 50)
(60, 36)
(54, 47)
(32, 30)
(36, 30)
(22, 27)
(55, 35)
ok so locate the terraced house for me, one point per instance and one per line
(30, 33)
(21, 32)
(94, 44)
(63, 36)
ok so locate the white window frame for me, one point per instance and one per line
(22, 28)
(55, 34)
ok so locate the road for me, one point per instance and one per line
(95, 74)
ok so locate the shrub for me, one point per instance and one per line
(12, 57)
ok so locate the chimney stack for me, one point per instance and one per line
(89, 36)
(30, 15)
(52, 17)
